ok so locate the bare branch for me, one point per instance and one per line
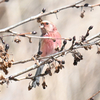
(91, 98)
(38, 16)
(87, 5)
(2, 1)
(93, 37)
(22, 61)
(29, 68)
(94, 5)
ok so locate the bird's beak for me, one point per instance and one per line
(41, 25)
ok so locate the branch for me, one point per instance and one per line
(35, 37)
(91, 98)
(38, 16)
(87, 5)
(91, 6)
(2, 1)
(22, 61)
(93, 37)
(29, 68)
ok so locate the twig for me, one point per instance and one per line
(94, 5)
(88, 5)
(22, 61)
(91, 98)
(39, 15)
(35, 37)
(38, 37)
(2, 1)
(29, 68)
(30, 36)
(93, 37)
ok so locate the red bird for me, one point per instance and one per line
(47, 46)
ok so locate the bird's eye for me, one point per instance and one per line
(47, 23)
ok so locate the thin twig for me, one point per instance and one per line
(94, 5)
(93, 37)
(2, 1)
(30, 68)
(91, 98)
(22, 61)
(35, 37)
(91, 6)
(30, 36)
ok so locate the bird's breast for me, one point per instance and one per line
(48, 45)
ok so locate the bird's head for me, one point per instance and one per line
(47, 26)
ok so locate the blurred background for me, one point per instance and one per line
(73, 82)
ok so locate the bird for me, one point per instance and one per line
(47, 46)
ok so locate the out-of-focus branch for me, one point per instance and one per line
(91, 98)
(39, 15)
(2, 1)
(91, 6)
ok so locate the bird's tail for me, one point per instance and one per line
(37, 79)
